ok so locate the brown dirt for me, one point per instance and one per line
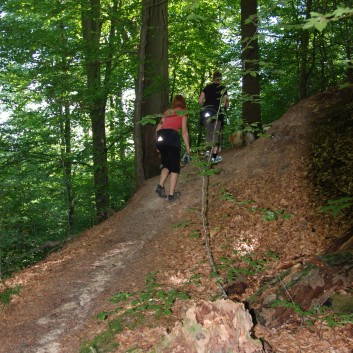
(59, 298)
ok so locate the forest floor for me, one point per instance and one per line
(59, 300)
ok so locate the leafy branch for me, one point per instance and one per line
(319, 21)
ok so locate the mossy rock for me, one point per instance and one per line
(342, 303)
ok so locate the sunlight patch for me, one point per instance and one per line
(178, 278)
(246, 246)
(123, 247)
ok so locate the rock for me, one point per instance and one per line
(308, 287)
(213, 327)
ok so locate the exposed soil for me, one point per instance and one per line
(60, 297)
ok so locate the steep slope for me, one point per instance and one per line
(54, 312)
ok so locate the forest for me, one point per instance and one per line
(80, 79)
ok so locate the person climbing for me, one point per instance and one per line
(214, 101)
(169, 146)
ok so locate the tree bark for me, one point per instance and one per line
(139, 170)
(66, 140)
(65, 127)
(347, 42)
(304, 48)
(251, 110)
(155, 82)
(96, 98)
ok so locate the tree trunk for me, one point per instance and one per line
(65, 127)
(200, 127)
(304, 48)
(96, 102)
(347, 42)
(251, 110)
(139, 170)
(155, 83)
(66, 137)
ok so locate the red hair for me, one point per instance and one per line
(179, 102)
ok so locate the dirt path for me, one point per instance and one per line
(60, 296)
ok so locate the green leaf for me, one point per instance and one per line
(103, 315)
(194, 17)
(320, 26)
(316, 14)
(120, 297)
(253, 73)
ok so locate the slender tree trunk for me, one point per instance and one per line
(200, 127)
(65, 127)
(155, 83)
(96, 102)
(140, 175)
(66, 138)
(348, 45)
(304, 49)
(251, 110)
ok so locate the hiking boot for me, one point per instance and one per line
(174, 197)
(161, 191)
(217, 159)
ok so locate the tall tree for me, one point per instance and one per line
(96, 98)
(251, 109)
(155, 78)
(139, 170)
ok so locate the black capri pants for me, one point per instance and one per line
(170, 158)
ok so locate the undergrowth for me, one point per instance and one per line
(320, 313)
(132, 311)
(139, 309)
(6, 294)
(267, 214)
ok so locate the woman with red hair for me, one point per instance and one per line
(169, 146)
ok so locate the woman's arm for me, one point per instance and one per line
(225, 101)
(160, 125)
(185, 133)
(201, 98)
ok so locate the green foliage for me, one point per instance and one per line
(132, 310)
(195, 234)
(237, 265)
(46, 142)
(336, 206)
(267, 214)
(205, 168)
(320, 21)
(184, 224)
(195, 279)
(7, 293)
(272, 215)
(151, 119)
(259, 130)
(322, 313)
(291, 305)
(228, 196)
